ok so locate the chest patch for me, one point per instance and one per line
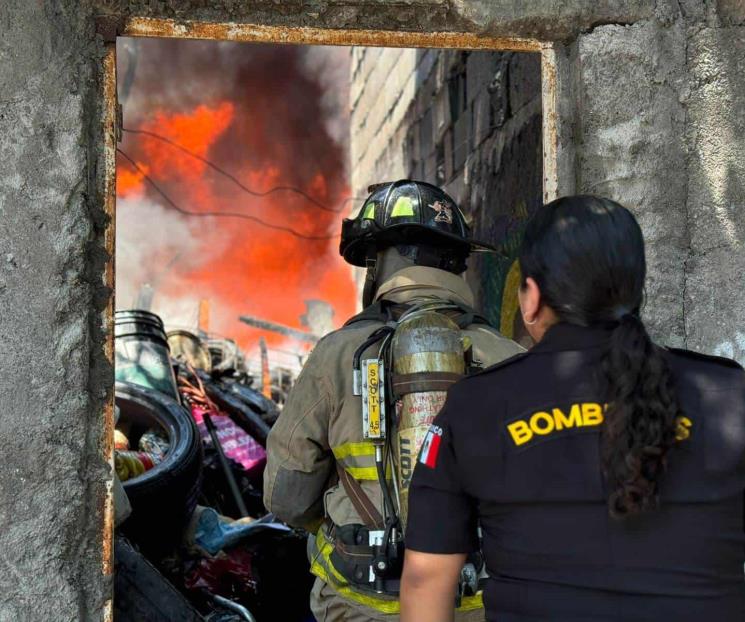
(431, 447)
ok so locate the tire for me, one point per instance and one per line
(163, 498)
(142, 593)
(260, 404)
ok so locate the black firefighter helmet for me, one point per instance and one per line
(407, 213)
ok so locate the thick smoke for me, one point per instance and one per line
(271, 116)
(331, 65)
(148, 254)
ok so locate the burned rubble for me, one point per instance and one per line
(193, 538)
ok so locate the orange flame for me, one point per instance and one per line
(129, 181)
(249, 269)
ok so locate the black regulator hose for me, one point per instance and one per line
(390, 509)
(374, 338)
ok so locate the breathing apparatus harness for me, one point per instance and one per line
(376, 387)
(428, 228)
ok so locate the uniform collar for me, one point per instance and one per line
(563, 336)
(419, 282)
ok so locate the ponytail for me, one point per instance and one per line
(640, 419)
(587, 256)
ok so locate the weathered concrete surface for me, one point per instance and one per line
(731, 12)
(715, 291)
(544, 19)
(552, 19)
(53, 378)
(631, 148)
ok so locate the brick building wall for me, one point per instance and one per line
(469, 122)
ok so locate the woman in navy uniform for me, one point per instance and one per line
(606, 472)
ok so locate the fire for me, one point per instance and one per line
(129, 181)
(244, 267)
(195, 131)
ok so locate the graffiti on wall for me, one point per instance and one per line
(500, 280)
(512, 194)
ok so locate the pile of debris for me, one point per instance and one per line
(193, 539)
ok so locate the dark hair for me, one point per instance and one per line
(587, 256)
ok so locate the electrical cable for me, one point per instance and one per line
(181, 210)
(235, 180)
(197, 395)
(294, 189)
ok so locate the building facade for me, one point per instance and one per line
(468, 121)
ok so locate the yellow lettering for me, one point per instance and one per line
(592, 414)
(548, 423)
(373, 400)
(573, 421)
(683, 428)
(520, 432)
(544, 423)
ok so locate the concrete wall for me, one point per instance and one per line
(656, 100)
(631, 147)
(54, 377)
(714, 295)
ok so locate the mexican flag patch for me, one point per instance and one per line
(431, 447)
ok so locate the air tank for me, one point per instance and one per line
(427, 357)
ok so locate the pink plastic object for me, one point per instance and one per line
(236, 443)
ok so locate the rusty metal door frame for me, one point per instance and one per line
(558, 156)
(109, 121)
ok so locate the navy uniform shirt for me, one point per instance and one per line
(517, 449)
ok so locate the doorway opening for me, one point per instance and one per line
(236, 158)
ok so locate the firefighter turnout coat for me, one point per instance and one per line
(321, 426)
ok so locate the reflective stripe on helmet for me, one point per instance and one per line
(369, 211)
(404, 206)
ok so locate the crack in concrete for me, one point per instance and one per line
(687, 231)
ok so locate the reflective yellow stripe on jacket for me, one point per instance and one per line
(358, 459)
(322, 567)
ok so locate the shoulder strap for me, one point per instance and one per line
(469, 316)
(384, 311)
(369, 514)
(377, 312)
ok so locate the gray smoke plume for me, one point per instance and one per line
(291, 108)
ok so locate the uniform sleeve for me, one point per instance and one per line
(442, 517)
(299, 459)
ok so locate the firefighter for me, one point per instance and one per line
(609, 484)
(321, 473)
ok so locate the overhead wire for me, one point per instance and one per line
(207, 214)
(281, 188)
(235, 180)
